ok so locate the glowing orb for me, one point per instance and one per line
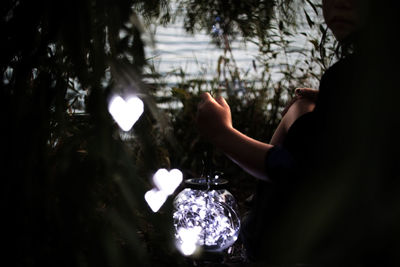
(126, 113)
(212, 211)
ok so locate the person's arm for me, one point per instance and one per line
(246, 152)
(215, 123)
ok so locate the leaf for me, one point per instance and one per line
(309, 20)
(315, 43)
(280, 25)
(220, 59)
(180, 93)
(313, 6)
(321, 28)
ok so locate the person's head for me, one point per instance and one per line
(342, 17)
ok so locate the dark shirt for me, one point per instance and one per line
(308, 139)
(270, 231)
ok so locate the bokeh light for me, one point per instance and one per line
(166, 182)
(155, 199)
(189, 236)
(126, 113)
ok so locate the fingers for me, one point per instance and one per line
(306, 92)
(220, 100)
(206, 97)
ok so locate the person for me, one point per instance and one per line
(295, 156)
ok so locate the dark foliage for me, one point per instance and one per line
(70, 193)
(249, 19)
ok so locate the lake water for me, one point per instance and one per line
(174, 49)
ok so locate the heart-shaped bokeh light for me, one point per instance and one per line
(126, 113)
(155, 199)
(167, 181)
(189, 238)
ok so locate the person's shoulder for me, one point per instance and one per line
(298, 108)
(340, 74)
(344, 64)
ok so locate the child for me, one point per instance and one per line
(296, 151)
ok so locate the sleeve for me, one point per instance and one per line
(280, 165)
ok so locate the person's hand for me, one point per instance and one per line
(213, 117)
(302, 93)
